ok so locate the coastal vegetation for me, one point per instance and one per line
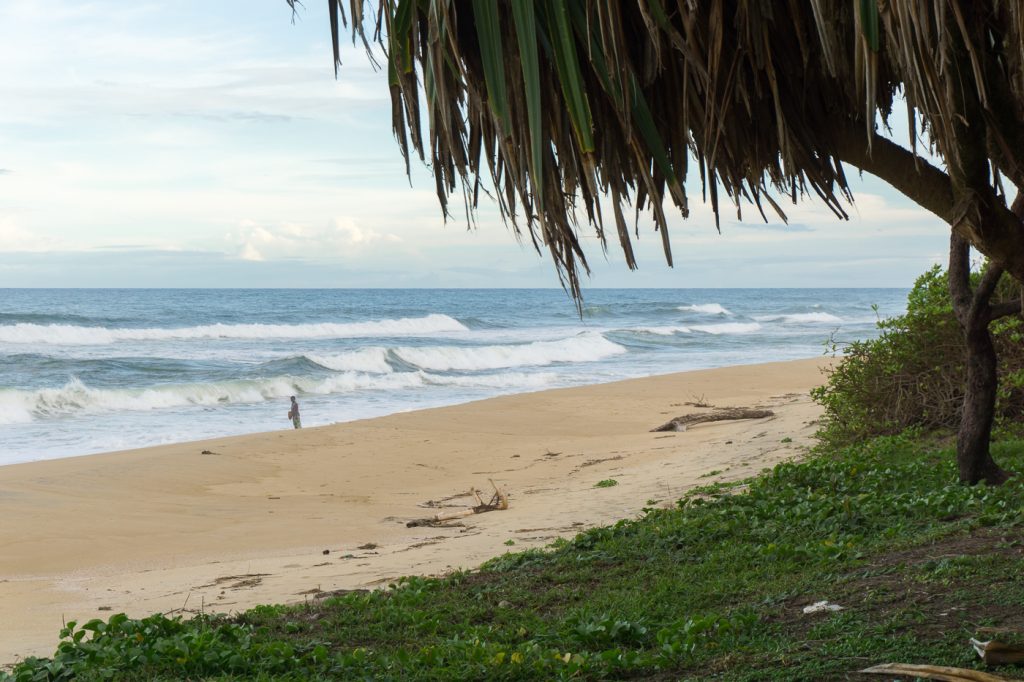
(913, 374)
(711, 587)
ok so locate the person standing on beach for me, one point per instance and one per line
(293, 414)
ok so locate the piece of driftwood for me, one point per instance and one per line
(717, 415)
(498, 501)
(934, 672)
(998, 653)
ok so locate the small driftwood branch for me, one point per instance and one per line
(934, 672)
(719, 414)
(498, 502)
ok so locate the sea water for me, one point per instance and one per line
(92, 370)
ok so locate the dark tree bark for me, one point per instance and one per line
(974, 312)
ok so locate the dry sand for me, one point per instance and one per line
(172, 529)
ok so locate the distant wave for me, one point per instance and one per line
(585, 348)
(706, 308)
(727, 328)
(800, 318)
(662, 331)
(60, 334)
(716, 329)
(75, 397)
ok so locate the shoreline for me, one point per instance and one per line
(224, 524)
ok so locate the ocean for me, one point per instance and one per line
(93, 370)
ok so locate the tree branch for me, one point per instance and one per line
(981, 217)
(988, 283)
(1007, 309)
(923, 183)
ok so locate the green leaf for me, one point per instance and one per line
(401, 36)
(649, 131)
(563, 45)
(488, 31)
(526, 33)
(869, 22)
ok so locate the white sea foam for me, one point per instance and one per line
(663, 331)
(727, 328)
(505, 380)
(706, 308)
(75, 335)
(373, 360)
(583, 348)
(75, 397)
(800, 318)
(13, 409)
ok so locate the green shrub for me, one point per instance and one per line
(913, 374)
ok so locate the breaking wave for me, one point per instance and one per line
(585, 348)
(727, 328)
(373, 360)
(60, 334)
(706, 308)
(75, 397)
(663, 331)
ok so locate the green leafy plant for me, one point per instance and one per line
(913, 374)
(606, 483)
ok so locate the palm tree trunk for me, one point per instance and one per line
(972, 444)
(973, 458)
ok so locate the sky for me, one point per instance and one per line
(208, 144)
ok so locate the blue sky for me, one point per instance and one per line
(209, 144)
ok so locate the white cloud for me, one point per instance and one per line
(14, 237)
(340, 238)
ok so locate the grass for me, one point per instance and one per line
(713, 588)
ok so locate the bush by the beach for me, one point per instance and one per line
(913, 374)
(714, 586)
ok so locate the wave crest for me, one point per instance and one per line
(373, 360)
(585, 348)
(75, 397)
(706, 308)
(60, 334)
(727, 328)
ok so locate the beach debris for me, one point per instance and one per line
(994, 652)
(716, 415)
(369, 545)
(209, 452)
(819, 606)
(498, 501)
(327, 551)
(934, 672)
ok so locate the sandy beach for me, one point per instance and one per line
(222, 525)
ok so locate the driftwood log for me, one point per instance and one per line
(998, 653)
(934, 672)
(498, 501)
(717, 415)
